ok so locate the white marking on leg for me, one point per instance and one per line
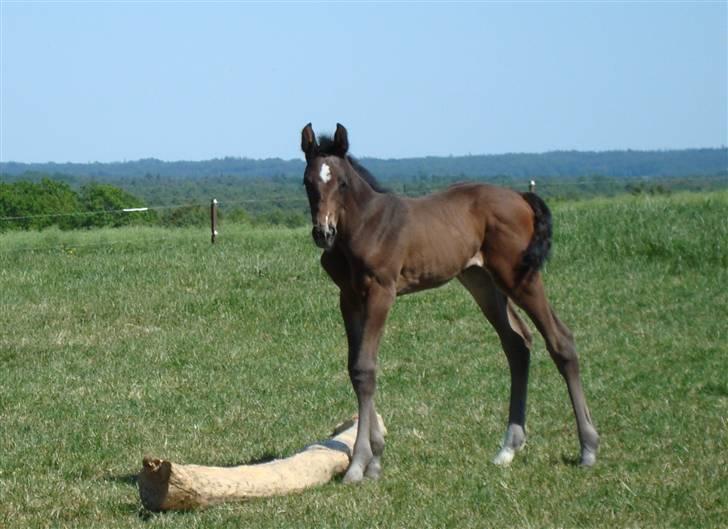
(476, 260)
(514, 441)
(588, 458)
(505, 456)
(325, 173)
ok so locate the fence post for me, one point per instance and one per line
(532, 186)
(213, 220)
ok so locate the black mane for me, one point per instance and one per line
(327, 147)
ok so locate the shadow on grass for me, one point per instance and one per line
(135, 508)
(124, 479)
(141, 512)
(267, 457)
(715, 390)
(571, 461)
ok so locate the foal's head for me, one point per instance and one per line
(326, 179)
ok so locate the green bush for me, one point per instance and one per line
(34, 206)
(37, 205)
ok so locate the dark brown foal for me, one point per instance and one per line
(379, 246)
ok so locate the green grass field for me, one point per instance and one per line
(120, 343)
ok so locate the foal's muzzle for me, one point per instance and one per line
(324, 236)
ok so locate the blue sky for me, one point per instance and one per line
(112, 81)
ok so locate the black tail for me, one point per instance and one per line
(538, 249)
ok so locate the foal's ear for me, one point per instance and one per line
(308, 142)
(341, 140)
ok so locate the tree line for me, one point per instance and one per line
(555, 164)
(39, 200)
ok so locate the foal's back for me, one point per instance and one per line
(446, 232)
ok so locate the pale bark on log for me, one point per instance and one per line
(164, 485)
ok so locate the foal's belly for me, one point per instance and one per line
(408, 286)
(423, 275)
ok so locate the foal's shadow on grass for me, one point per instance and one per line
(268, 457)
(570, 461)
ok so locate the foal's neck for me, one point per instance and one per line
(361, 192)
(359, 202)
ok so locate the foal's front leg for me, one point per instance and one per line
(364, 320)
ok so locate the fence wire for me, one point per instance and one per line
(242, 202)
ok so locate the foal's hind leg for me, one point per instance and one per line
(531, 297)
(516, 342)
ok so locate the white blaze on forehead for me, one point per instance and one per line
(325, 173)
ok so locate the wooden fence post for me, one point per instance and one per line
(213, 220)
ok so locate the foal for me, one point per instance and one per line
(378, 246)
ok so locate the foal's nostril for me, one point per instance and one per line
(324, 236)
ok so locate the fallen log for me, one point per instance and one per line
(165, 486)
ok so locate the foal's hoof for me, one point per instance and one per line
(374, 469)
(514, 441)
(589, 447)
(504, 456)
(588, 458)
(353, 475)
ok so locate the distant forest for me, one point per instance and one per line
(269, 191)
(556, 164)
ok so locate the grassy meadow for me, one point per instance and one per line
(119, 343)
